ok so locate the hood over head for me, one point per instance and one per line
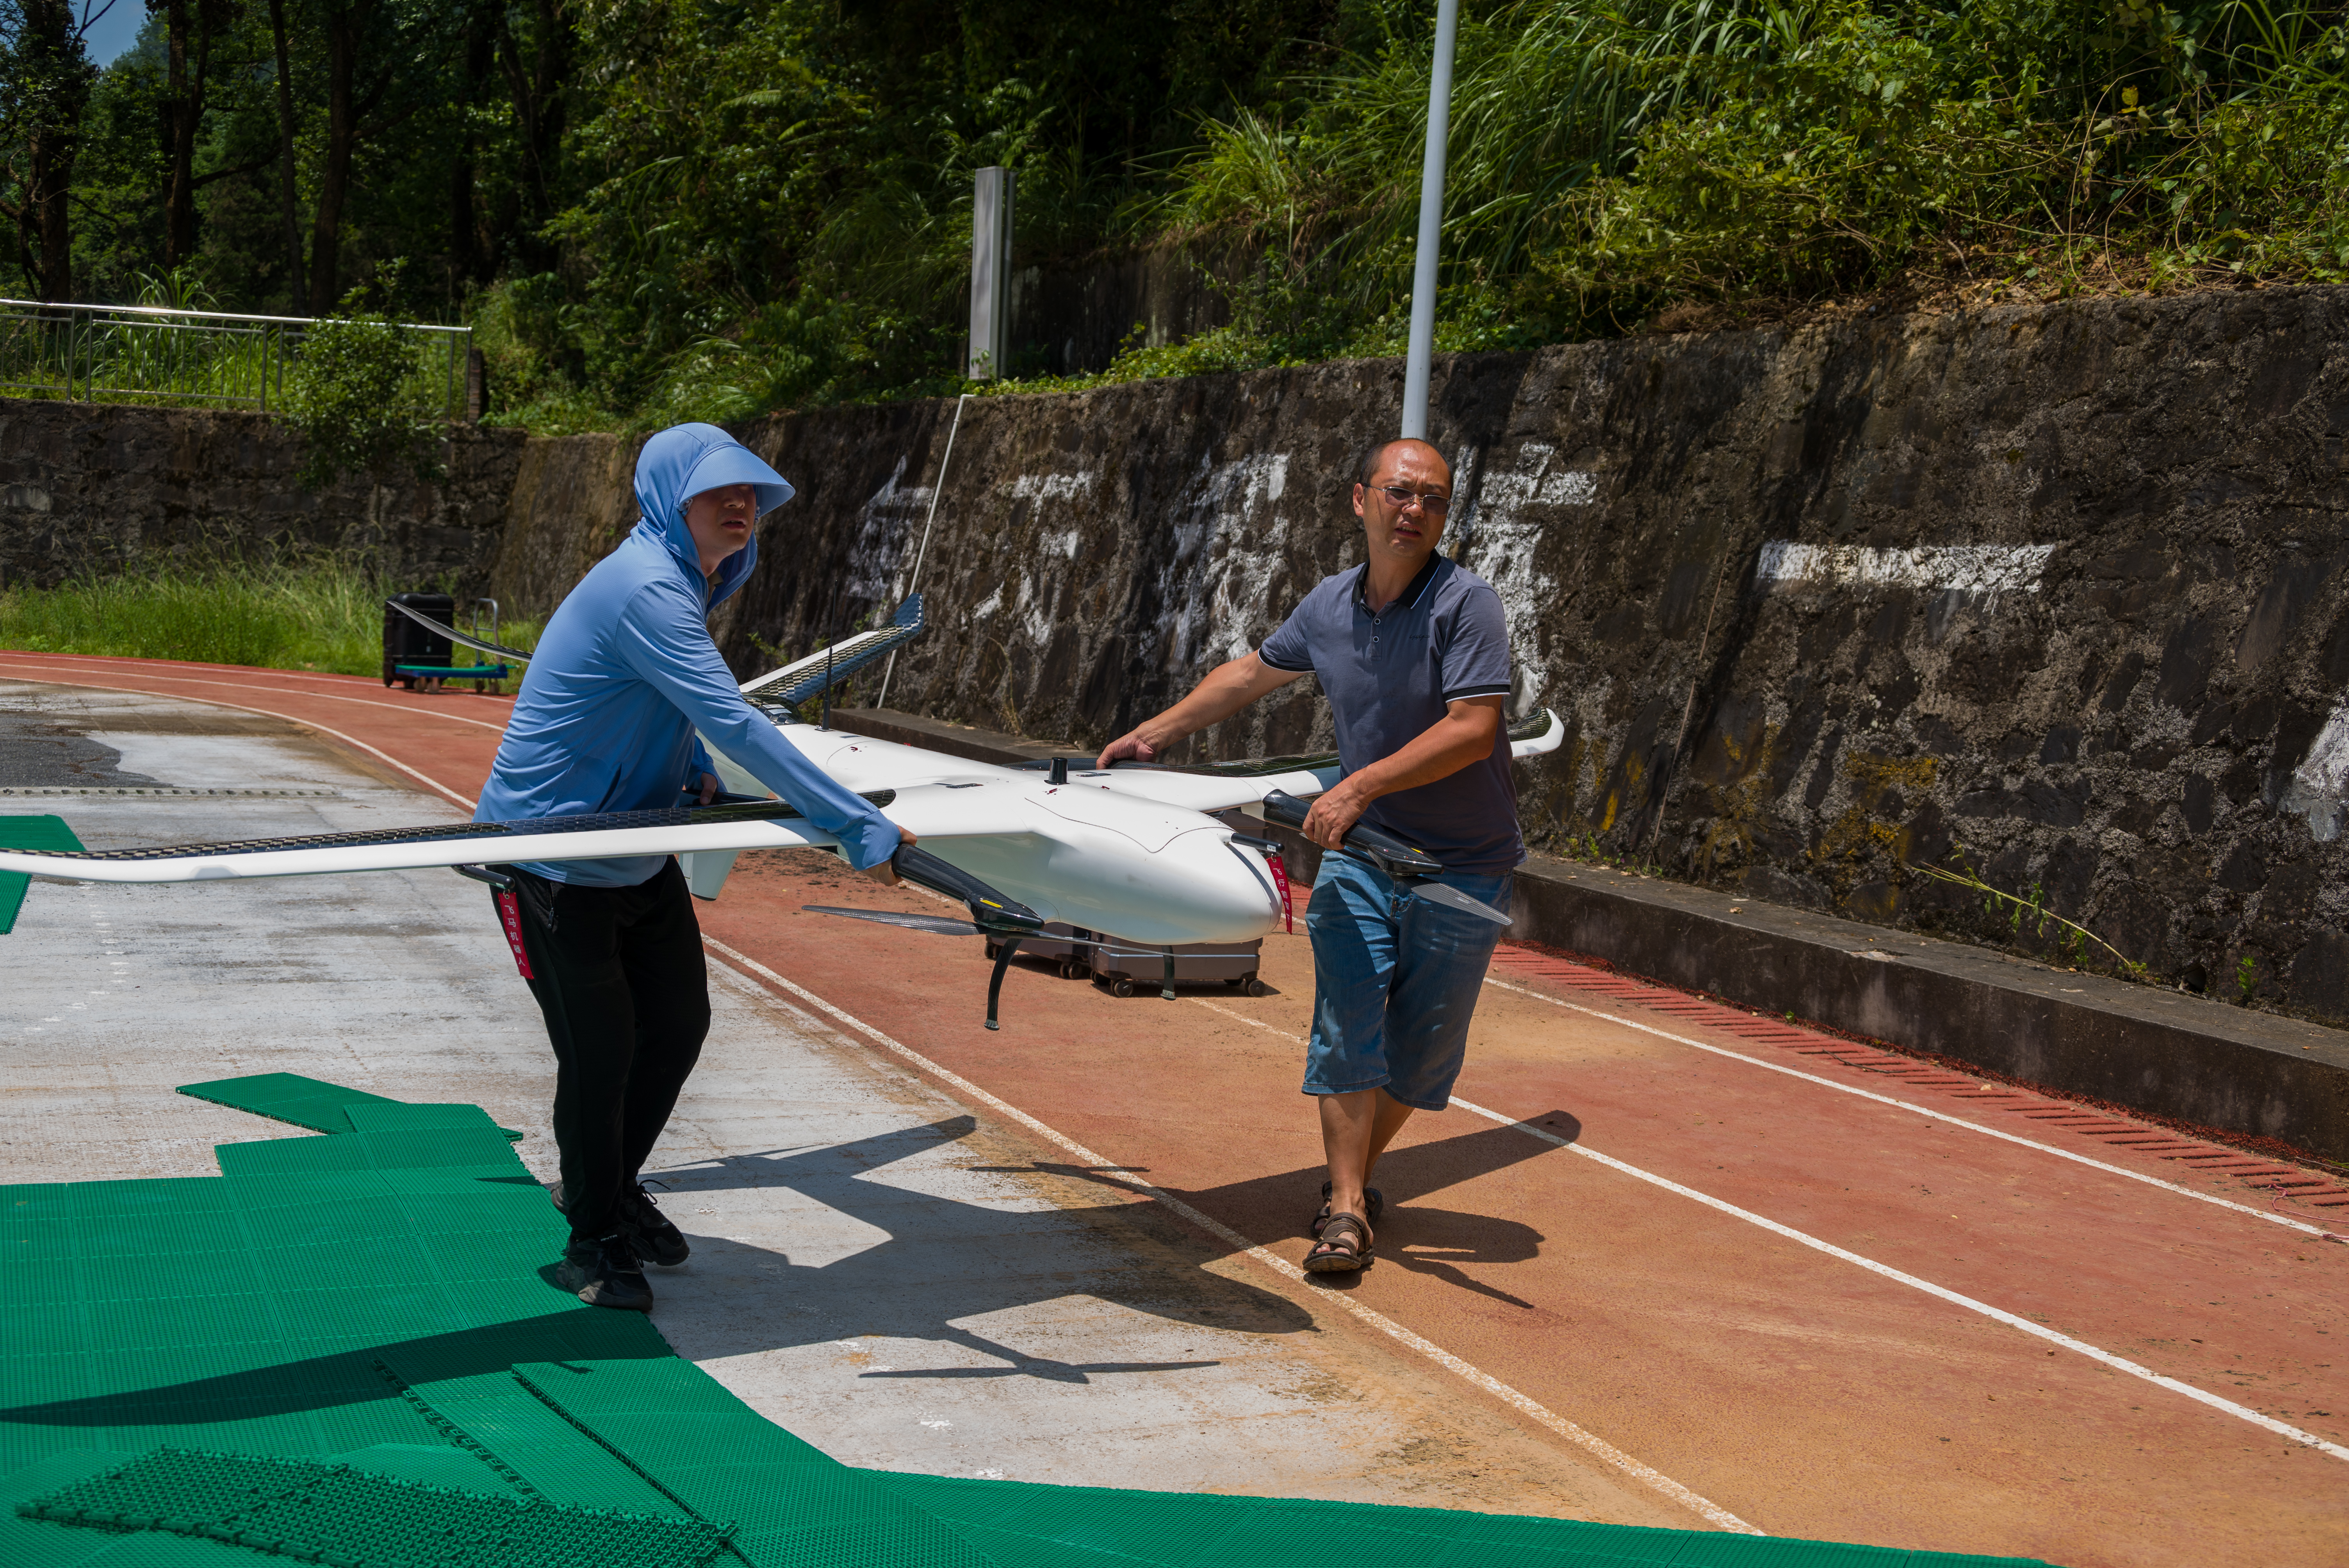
(680, 463)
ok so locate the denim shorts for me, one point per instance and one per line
(1395, 980)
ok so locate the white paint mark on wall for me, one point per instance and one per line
(1049, 487)
(1967, 567)
(1535, 480)
(883, 536)
(2320, 785)
(1512, 508)
(1229, 542)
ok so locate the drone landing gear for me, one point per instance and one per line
(1003, 952)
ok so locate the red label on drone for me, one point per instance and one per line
(510, 917)
(1280, 880)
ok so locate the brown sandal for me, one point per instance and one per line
(1344, 1246)
(1372, 1200)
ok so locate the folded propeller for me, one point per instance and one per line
(1407, 863)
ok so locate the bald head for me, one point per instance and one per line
(1374, 457)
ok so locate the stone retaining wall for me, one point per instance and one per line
(2056, 594)
(97, 488)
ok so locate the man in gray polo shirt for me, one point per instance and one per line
(1413, 652)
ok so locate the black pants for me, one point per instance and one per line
(618, 973)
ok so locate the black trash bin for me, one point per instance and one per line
(405, 642)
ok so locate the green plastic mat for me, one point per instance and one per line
(42, 833)
(714, 1455)
(287, 1097)
(325, 1107)
(334, 1514)
(1029, 1522)
(379, 1305)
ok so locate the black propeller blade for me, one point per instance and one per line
(937, 925)
(1006, 919)
(1404, 862)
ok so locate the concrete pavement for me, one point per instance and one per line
(877, 1266)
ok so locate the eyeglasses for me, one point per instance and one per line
(1435, 503)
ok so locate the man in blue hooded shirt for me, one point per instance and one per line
(623, 676)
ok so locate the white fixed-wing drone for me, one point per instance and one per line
(1131, 854)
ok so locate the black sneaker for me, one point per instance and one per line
(641, 1218)
(605, 1273)
(654, 1237)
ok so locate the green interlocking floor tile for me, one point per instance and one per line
(55, 1470)
(287, 1097)
(60, 1330)
(1013, 1548)
(257, 1314)
(399, 1115)
(35, 1241)
(538, 1445)
(789, 1503)
(162, 1203)
(1778, 1551)
(293, 1156)
(37, 1201)
(158, 1549)
(316, 1512)
(27, 832)
(454, 1468)
(642, 1387)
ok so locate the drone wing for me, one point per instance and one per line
(943, 811)
(1220, 786)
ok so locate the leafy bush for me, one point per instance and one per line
(358, 394)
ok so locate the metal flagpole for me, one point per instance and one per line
(938, 489)
(1431, 225)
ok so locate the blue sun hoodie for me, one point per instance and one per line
(626, 673)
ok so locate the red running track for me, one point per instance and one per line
(1838, 1292)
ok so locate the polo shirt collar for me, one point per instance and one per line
(1411, 591)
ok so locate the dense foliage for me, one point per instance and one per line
(358, 394)
(662, 209)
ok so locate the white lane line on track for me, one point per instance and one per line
(1597, 1446)
(2273, 1219)
(306, 723)
(135, 663)
(248, 686)
(2094, 1353)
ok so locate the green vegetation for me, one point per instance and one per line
(359, 395)
(294, 615)
(655, 209)
(2073, 938)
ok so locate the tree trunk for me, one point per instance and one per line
(53, 87)
(347, 28)
(285, 182)
(182, 109)
(469, 259)
(535, 77)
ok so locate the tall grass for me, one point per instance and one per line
(1609, 162)
(292, 615)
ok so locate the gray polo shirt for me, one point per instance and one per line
(1388, 676)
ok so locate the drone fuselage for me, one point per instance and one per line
(1086, 852)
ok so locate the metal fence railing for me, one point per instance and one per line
(151, 353)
